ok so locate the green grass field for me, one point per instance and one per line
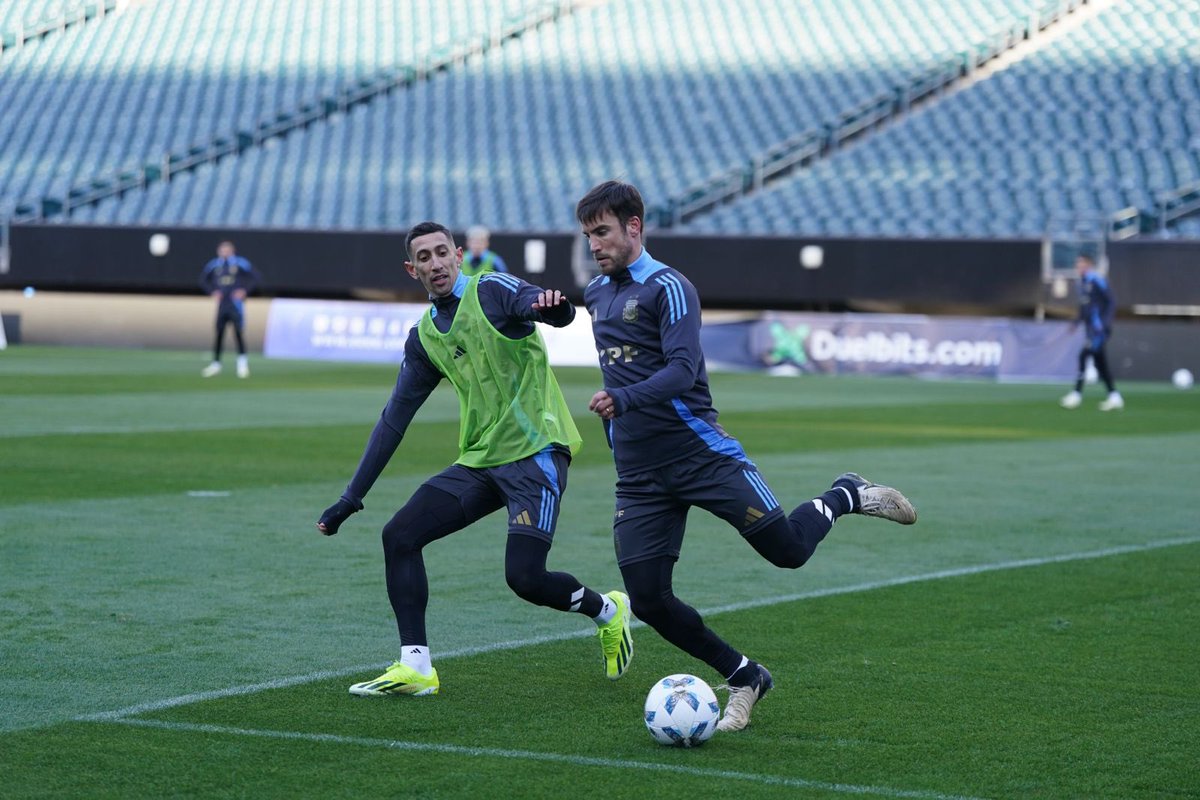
(173, 625)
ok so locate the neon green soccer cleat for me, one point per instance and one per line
(399, 679)
(615, 639)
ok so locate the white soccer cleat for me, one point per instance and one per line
(243, 368)
(742, 700)
(1114, 402)
(1071, 400)
(212, 369)
(876, 500)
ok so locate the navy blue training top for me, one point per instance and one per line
(1096, 306)
(646, 322)
(507, 302)
(225, 275)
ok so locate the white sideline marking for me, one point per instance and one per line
(295, 680)
(557, 758)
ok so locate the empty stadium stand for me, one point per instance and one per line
(1106, 118)
(226, 113)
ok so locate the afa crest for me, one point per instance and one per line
(630, 313)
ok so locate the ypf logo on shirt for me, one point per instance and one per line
(630, 314)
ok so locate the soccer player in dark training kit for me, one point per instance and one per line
(671, 453)
(229, 278)
(516, 439)
(1096, 311)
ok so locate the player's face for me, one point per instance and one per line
(435, 263)
(614, 246)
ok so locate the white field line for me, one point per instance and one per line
(295, 680)
(556, 758)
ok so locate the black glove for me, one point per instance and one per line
(336, 514)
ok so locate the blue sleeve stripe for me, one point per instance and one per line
(675, 297)
(725, 445)
(672, 310)
(760, 486)
(507, 281)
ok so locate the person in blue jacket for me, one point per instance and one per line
(1097, 307)
(228, 279)
(672, 454)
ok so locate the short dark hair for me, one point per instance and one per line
(623, 199)
(422, 228)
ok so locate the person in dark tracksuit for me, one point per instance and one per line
(1097, 308)
(672, 454)
(516, 440)
(229, 278)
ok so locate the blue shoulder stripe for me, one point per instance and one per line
(504, 279)
(675, 297)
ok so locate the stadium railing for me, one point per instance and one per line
(74, 14)
(1176, 204)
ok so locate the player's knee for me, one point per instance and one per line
(783, 545)
(525, 583)
(651, 605)
(400, 538)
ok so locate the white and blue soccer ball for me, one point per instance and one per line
(681, 711)
(1183, 378)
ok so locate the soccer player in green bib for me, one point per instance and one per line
(516, 439)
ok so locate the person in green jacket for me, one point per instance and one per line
(479, 258)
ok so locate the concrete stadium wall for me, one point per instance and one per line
(1140, 350)
(126, 320)
(994, 276)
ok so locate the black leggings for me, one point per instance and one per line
(786, 542)
(1100, 359)
(432, 514)
(227, 317)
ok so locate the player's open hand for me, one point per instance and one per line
(334, 516)
(548, 298)
(603, 405)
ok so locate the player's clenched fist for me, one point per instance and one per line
(335, 515)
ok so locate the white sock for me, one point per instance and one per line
(417, 657)
(849, 499)
(243, 361)
(607, 611)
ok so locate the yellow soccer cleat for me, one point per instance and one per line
(615, 639)
(399, 679)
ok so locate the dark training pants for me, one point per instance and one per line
(229, 316)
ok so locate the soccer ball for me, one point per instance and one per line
(1182, 378)
(681, 711)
